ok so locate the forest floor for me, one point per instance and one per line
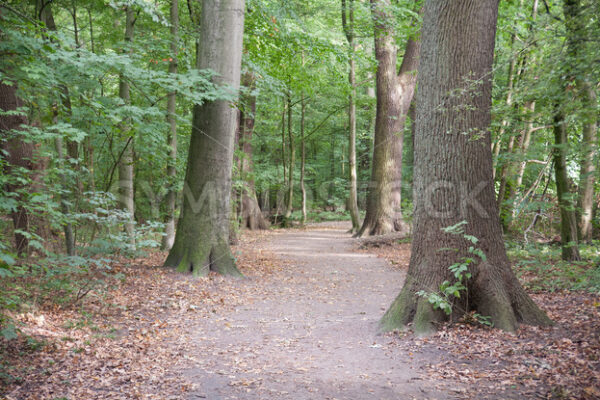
(302, 325)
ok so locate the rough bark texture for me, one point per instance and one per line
(169, 238)
(202, 237)
(251, 214)
(453, 175)
(394, 95)
(126, 162)
(19, 154)
(568, 218)
(348, 26)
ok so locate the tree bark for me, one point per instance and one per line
(525, 142)
(251, 214)
(348, 26)
(283, 147)
(126, 163)
(303, 158)
(47, 17)
(587, 174)
(202, 238)
(576, 20)
(453, 176)
(568, 219)
(19, 154)
(171, 197)
(394, 95)
(290, 184)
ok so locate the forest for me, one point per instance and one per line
(271, 199)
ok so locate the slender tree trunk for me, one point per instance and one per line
(576, 20)
(47, 17)
(290, 194)
(510, 169)
(88, 148)
(169, 238)
(453, 176)
(509, 94)
(587, 175)
(568, 219)
(348, 25)
(303, 158)
(251, 214)
(394, 96)
(202, 237)
(126, 163)
(525, 142)
(283, 147)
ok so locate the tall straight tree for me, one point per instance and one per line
(348, 26)
(574, 23)
(126, 161)
(577, 20)
(395, 92)
(169, 237)
(453, 176)
(290, 183)
(202, 237)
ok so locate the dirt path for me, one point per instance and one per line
(311, 330)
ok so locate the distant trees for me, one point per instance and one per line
(250, 212)
(453, 179)
(395, 90)
(110, 117)
(546, 142)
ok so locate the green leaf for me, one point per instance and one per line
(9, 332)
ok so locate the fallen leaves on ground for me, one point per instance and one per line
(134, 341)
(126, 343)
(560, 362)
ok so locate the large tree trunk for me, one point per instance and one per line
(19, 154)
(394, 95)
(453, 176)
(126, 162)
(251, 214)
(202, 237)
(348, 25)
(169, 238)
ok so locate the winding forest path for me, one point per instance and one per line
(311, 331)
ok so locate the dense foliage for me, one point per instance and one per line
(77, 126)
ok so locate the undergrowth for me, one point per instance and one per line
(540, 267)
